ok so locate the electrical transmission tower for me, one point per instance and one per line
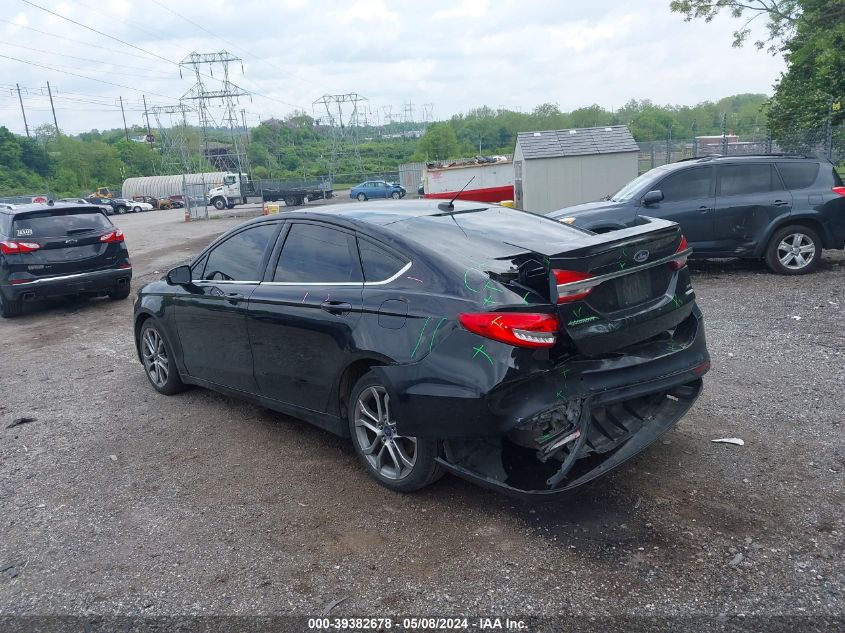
(428, 114)
(228, 94)
(172, 135)
(344, 115)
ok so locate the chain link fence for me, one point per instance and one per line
(828, 142)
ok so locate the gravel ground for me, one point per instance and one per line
(116, 500)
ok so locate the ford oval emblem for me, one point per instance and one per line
(641, 256)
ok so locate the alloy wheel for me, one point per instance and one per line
(389, 454)
(155, 358)
(796, 251)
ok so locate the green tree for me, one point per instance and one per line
(811, 36)
(439, 142)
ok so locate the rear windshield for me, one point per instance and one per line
(60, 223)
(798, 175)
(837, 181)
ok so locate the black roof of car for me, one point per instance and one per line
(43, 206)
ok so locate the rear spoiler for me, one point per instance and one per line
(615, 253)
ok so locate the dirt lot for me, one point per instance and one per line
(117, 500)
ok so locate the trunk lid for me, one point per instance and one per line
(617, 288)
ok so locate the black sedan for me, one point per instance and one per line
(502, 346)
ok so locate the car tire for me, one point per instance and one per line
(10, 309)
(154, 348)
(291, 201)
(136, 209)
(788, 250)
(120, 292)
(219, 204)
(395, 195)
(402, 464)
(120, 210)
(362, 197)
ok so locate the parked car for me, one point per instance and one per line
(115, 204)
(105, 206)
(155, 203)
(178, 202)
(52, 250)
(784, 209)
(499, 345)
(377, 189)
(134, 205)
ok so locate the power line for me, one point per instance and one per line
(75, 41)
(94, 61)
(66, 72)
(217, 36)
(116, 39)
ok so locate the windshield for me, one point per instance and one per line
(60, 224)
(630, 190)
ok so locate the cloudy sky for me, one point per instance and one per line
(455, 55)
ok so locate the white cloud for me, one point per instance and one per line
(465, 9)
(457, 56)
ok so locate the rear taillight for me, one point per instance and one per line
(569, 277)
(839, 190)
(114, 236)
(680, 262)
(12, 248)
(265, 210)
(522, 329)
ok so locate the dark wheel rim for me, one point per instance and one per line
(155, 357)
(389, 454)
(796, 251)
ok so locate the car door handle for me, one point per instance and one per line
(336, 307)
(780, 203)
(234, 297)
(705, 209)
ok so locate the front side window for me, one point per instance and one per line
(378, 264)
(239, 258)
(738, 180)
(689, 184)
(318, 254)
(630, 190)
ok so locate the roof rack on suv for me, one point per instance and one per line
(707, 157)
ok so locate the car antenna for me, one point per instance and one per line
(450, 206)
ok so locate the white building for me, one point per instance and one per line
(560, 168)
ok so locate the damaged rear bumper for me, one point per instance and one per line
(599, 411)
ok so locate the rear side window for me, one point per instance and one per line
(59, 224)
(837, 181)
(239, 258)
(318, 254)
(690, 184)
(737, 180)
(5, 225)
(378, 264)
(798, 175)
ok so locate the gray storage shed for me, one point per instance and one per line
(560, 168)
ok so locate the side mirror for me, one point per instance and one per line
(652, 197)
(179, 276)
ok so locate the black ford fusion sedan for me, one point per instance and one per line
(502, 346)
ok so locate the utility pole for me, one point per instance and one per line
(125, 129)
(25, 124)
(147, 117)
(53, 108)
(725, 134)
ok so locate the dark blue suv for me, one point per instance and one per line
(784, 209)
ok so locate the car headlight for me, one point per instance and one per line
(569, 220)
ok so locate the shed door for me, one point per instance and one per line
(517, 184)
